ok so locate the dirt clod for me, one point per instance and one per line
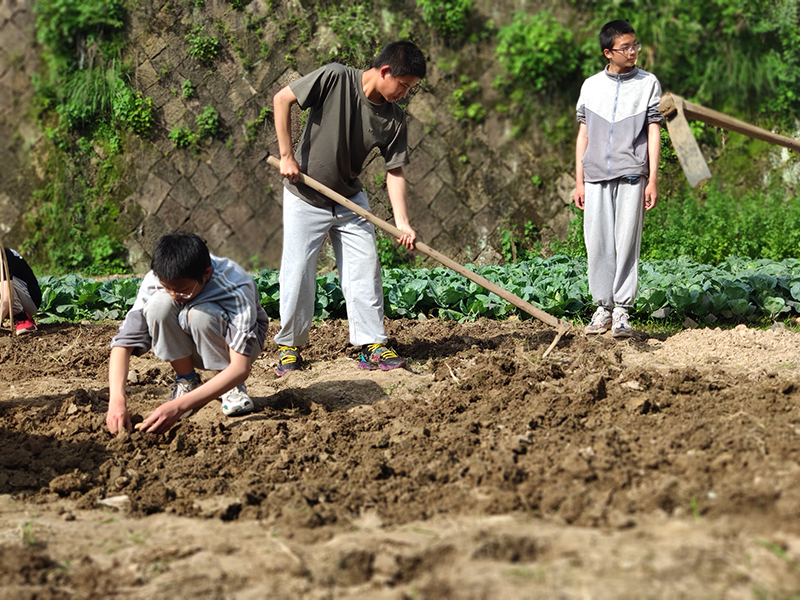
(661, 467)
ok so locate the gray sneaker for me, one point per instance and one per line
(600, 323)
(236, 402)
(184, 385)
(620, 327)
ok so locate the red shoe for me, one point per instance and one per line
(24, 323)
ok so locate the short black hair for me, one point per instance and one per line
(611, 31)
(403, 58)
(180, 255)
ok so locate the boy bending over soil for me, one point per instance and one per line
(351, 112)
(195, 311)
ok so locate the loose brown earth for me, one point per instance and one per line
(646, 468)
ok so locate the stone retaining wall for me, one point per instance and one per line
(460, 192)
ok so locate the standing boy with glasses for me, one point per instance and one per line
(195, 311)
(616, 174)
(351, 112)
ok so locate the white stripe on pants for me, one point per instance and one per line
(353, 239)
(612, 227)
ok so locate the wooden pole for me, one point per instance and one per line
(560, 324)
(671, 103)
(5, 279)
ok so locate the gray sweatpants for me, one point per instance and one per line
(612, 227)
(22, 297)
(198, 332)
(353, 239)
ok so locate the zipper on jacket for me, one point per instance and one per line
(611, 129)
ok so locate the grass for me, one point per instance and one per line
(779, 552)
(26, 533)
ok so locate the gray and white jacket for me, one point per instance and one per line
(617, 108)
(230, 286)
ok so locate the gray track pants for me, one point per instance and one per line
(353, 239)
(22, 297)
(612, 227)
(198, 332)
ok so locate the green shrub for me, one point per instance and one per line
(207, 123)
(133, 111)
(721, 222)
(183, 137)
(536, 52)
(352, 36)
(711, 225)
(203, 48)
(463, 105)
(188, 89)
(62, 26)
(448, 17)
(516, 247)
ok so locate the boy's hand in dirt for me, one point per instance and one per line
(117, 417)
(163, 418)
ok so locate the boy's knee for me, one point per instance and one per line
(205, 318)
(159, 308)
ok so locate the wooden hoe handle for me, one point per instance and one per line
(529, 308)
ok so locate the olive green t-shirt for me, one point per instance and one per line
(342, 128)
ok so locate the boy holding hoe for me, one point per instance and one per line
(616, 173)
(351, 112)
(195, 311)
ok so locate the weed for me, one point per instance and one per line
(203, 48)
(462, 102)
(207, 123)
(515, 248)
(188, 90)
(392, 255)
(26, 533)
(695, 508)
(352, 37)
(448, 18)
(183, 137)
(779, 552)
(536, 53)
(251, 128)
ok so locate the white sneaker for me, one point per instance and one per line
(236, 402)
(600, 323)
(620, 327)
(183, 386)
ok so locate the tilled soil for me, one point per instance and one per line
(610, 469)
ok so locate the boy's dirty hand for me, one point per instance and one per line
(118, 418)
(162, 419)
(290, 168)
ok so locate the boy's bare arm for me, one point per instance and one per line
(580, 149)
(654, 153)
(166, 415)
(396, 186)
(282, 109)
(117, 417)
